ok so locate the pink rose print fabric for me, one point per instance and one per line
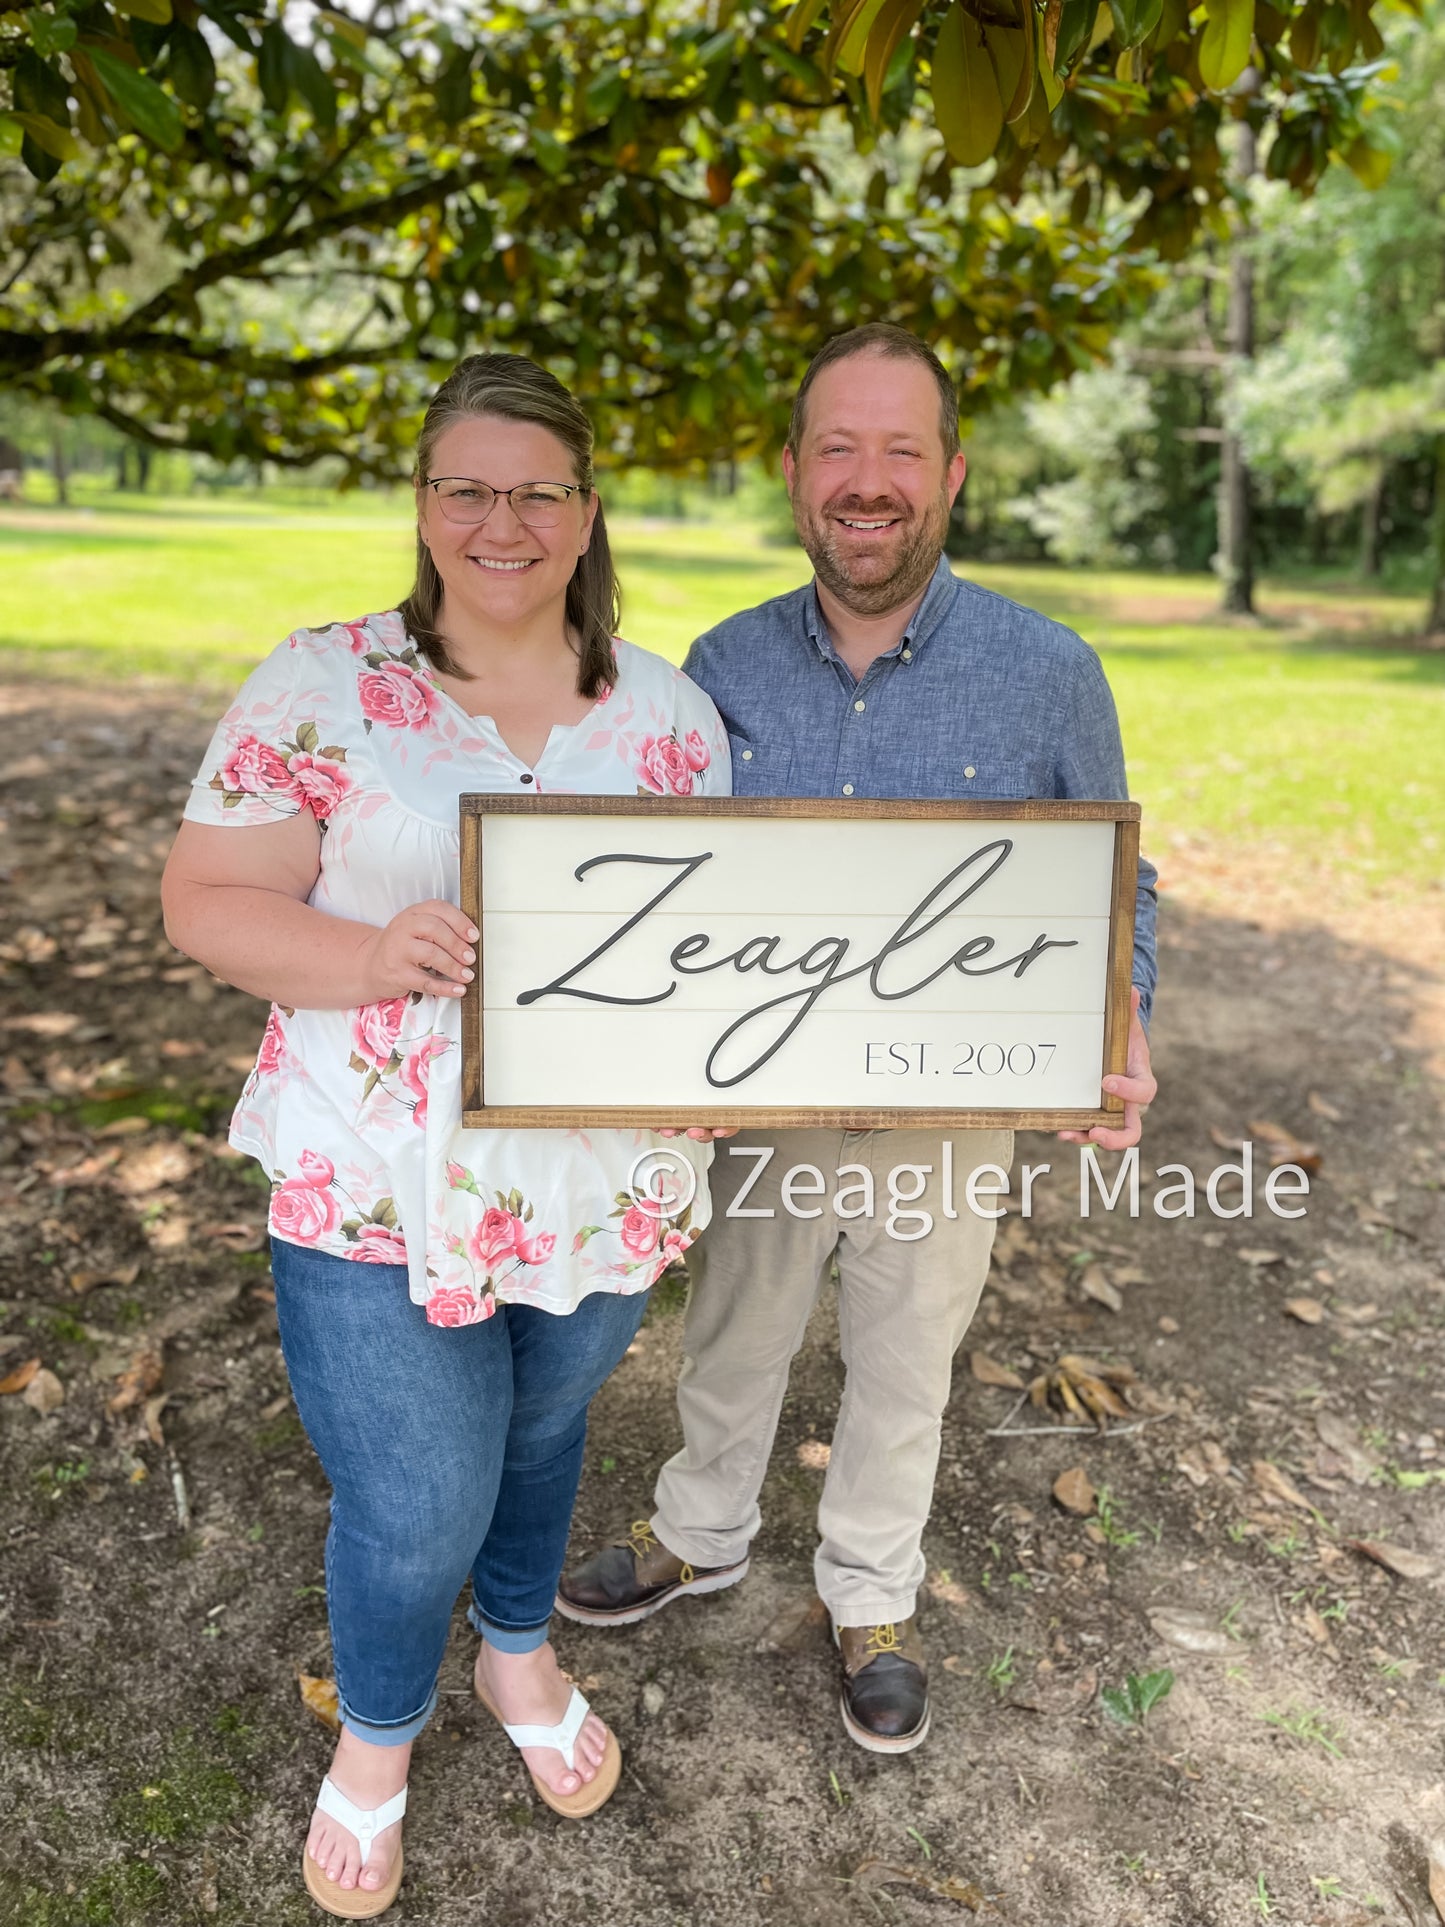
(356, 1114)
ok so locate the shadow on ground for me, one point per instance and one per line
(158, 1765)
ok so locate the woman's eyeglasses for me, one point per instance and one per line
(541, 505)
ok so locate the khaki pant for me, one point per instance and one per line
(903, 1308)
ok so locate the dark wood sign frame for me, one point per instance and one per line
(478, 1115)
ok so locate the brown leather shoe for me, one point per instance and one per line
(635, 1578)
(885, 1685)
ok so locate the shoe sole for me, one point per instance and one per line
(882, 1743)
(630, 1615)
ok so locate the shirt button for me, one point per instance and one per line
(847, 789)
(860, 707)
(747, 755)
(970, 772)
(908, 655)
(532, 779)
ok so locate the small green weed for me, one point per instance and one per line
(1001, 1671)
(1261, 1898)
(1109, 1519)
(1309, 1728)
(1130, 1703)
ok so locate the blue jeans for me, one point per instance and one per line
(449, 1451)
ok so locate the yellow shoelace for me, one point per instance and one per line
(642, 1540)
(882, 1639)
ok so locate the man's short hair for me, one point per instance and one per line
(894, 344)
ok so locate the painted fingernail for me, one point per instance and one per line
(469, 956)
(467, 975)
(472, 935)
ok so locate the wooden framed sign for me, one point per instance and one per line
(782, 962)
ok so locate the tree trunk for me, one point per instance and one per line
(1370, 514)
(59, 468)
(1435, 619)
(1236, 534)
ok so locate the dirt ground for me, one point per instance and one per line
(162, 1522)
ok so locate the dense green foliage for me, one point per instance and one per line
(220, 235)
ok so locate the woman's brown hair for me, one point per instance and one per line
(517, 390)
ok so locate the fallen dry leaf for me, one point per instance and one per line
(44, 1393)
(123, 1275)
(1281, 1146)
(1309, 1311)
(126, 1127)
(139, 1379)
(1191, 1462)
(1278, 1488)
(152, 1166)
(882, 1873)
(988, 1371)
(17, 1380)
(1252, 1255)
(1396, 1559)
(318, 1696)
(1097, 1284)
(1190, 1631)
(235, 1236)
(814, 1454)
(1322, 1107)
(797, 1627)
(152, 1417)
(1224, 1141)
(1359, 1463)
(1315, 1626)
(1074, 1491)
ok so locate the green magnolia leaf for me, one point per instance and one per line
(892, 26)
(309, 79)
(152, 113)
(38, 89)
(800, 18)
(58, 142)
(158, 12)
(1076, 20)
(1053, 87)
(605, 94)
(453, 91)
(1224, 46)
(1006, 46)
(1369, 164)
(273, 68)
(1135, 20)
(50, 33)
(191, 68)
(966, 100)
(12, 135)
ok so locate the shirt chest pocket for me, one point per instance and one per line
(999, 779)
(761, 769)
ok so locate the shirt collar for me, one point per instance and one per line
(937, 599)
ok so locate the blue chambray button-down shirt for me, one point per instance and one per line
(981, 698)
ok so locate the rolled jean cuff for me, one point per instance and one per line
(509, 1639)
(393, 1732)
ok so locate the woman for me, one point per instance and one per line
(449, 1300)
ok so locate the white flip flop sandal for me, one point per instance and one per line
(563, 1737)
(354, 1903)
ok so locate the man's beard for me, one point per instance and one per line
(854, 578)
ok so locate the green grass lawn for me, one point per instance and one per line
(1318, 731)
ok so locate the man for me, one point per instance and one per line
(886, 677)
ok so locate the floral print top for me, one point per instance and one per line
(356, 1114)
